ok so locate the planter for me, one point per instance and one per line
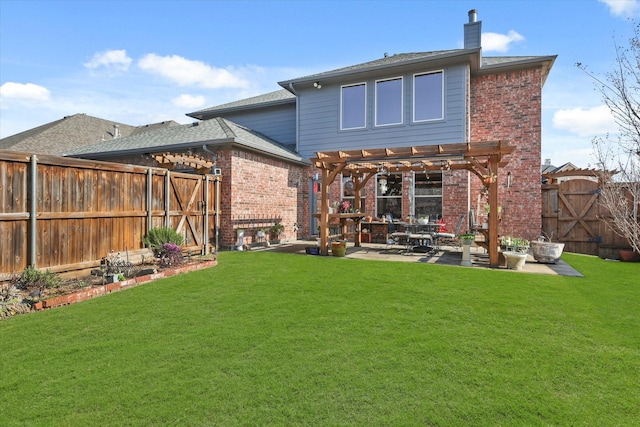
(339, 248)
(466, 252)
(629, 256)
(312, 250)
(546, 252)
(515, 260)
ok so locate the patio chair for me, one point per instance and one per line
(450, 239)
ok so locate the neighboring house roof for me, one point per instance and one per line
(278, 97)
(154, 126)
(216, 131)
(69, 133)
(549, 168)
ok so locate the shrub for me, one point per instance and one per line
(11, 301)
(32, 278)
(170, 254)
(159, 236)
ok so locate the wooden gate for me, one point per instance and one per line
(66, 214)
(189, 198)
(570, 213)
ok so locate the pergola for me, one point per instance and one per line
(484, 159)
(200, 165)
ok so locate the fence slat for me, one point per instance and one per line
(64, 214)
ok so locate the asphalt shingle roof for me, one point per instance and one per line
(387, 61)
(281, 96)
(70, 133)
(210, 132)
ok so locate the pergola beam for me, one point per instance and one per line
(481, 158)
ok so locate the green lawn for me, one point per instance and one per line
(278, 339)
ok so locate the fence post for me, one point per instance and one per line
(205, 229)
(167, 197)
(149, 199)
(33, 206)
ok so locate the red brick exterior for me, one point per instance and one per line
(508, 107)
(258, 191)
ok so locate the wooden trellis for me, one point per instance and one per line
(484, 159)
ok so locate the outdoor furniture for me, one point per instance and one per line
(450, 238)
(399, 238)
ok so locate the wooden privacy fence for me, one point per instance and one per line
(67, 214)
(572, 213)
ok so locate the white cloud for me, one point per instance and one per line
(186, 72)
(188, 101)
(623, 7)
(24, 91)
(585, 123)
(112, 60)
(494, 42)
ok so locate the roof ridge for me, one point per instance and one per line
(225, 127)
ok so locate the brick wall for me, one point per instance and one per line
(258, 188)
(507, 107)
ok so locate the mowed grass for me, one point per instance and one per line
(278, 339)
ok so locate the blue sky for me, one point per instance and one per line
(141, 62)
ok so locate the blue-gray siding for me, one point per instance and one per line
(278, 122)
(319, 111)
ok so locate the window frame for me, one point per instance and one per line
(390, 79)
(442, 96)
(435, 196)
(364, 104)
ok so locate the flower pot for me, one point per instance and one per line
(466, 253)
(515, 260)
(546, 252)
(339, 248)
(312, 250)
(629, 256)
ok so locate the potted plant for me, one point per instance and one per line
(545, 250)
(466, 239)
(339, 248)
(515, 251)
(276, 232)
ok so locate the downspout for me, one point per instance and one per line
(293, 90)
(216, 212)
(213, 153)
(217, 208)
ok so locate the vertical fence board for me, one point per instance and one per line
(85, 209)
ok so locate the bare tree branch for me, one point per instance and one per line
(620, 156)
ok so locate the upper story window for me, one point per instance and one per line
(428, 96)
(353, 106)
(389, 102)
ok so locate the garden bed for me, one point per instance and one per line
(84, 288)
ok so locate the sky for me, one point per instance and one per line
(147, 61)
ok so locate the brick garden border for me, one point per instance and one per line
(87, 294)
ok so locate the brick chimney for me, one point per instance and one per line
(472, 31)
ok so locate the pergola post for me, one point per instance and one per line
(493, 211)
(324, 212)
(481, 158)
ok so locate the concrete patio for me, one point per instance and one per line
(446, 255)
